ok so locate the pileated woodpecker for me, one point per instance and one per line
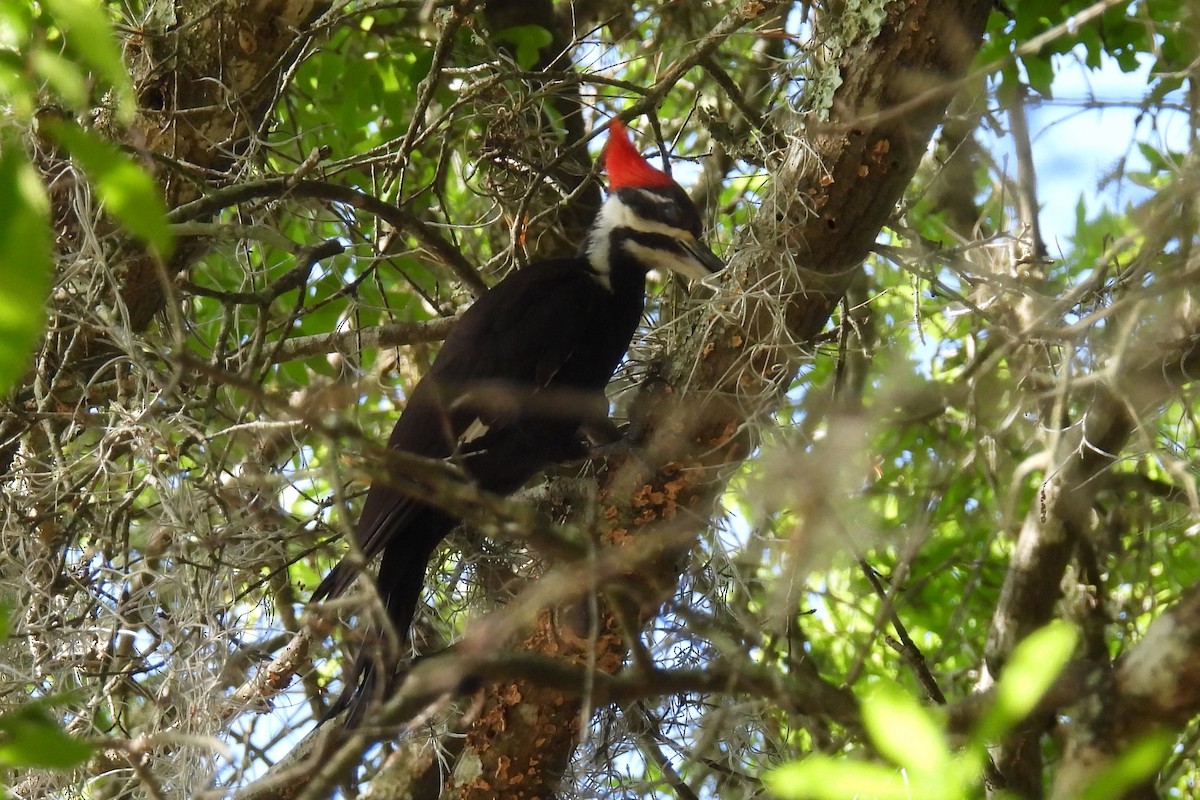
(519, 375)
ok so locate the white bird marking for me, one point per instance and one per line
(477, 429)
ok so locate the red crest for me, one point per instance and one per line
(624, 164)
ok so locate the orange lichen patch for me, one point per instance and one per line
(545, 638)
(879, 154)
(518, 772)
(660, 502)
(725, 435)
(645, 496)
(611, 659)
(674, 488)
(618, 537)
(655, 500)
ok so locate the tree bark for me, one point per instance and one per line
(831, 193)
(207, 74)
(1148, 698)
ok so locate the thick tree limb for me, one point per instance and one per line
(832, 191)
(1063, 516)
(1154, 690)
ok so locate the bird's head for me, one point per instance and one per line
(647, 219)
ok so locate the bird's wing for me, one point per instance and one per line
(521, 330)
(477, 376)
(510, 345)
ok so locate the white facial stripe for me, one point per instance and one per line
(662, 259)
(615, 214)
(599, 239)
(655, 197)
(597, 255)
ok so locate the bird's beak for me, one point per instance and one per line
(706, 259)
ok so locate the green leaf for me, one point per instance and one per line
(89, 34)
(64, 76)
(25, 260)
(16, 25)
(414, 66)
(905, 731)
(1034, 665)
(128, 192)
(819, 777)
(527, 40)
(29, 738)
(1134, 766)
(16, 87)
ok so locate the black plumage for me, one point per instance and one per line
(519, 375)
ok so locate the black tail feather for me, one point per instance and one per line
(361, 691)
(401, 578)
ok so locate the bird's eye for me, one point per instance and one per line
(672, 215)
